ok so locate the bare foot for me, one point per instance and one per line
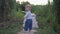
(29, 30)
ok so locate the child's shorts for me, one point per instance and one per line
(28, 24)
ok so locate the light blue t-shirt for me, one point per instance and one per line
(28, 15)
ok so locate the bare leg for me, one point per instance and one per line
(29, 30)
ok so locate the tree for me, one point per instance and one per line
(6, 8)
(57, 8)
(23, 5)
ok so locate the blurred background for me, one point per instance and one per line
(47, 15)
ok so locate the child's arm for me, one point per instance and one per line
(26, 15)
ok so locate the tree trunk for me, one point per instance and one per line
(57, 7)
(1, 11)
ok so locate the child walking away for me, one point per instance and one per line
(28, 17)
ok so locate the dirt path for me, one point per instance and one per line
(22, 32)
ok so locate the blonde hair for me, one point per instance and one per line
(28, 5)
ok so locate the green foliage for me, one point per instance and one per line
(43, 14)
(23, 5)
(12, 29)
(9, 11)
(46, 30)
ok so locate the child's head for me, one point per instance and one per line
(27, 7)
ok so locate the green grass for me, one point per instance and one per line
(46, 30)
(11, 30)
